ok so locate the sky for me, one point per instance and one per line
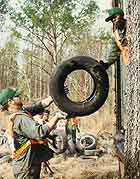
(100, 22)
(104, 4)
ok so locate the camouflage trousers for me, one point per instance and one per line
(32, 173)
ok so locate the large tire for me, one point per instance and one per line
(94, 101)
(88, 142)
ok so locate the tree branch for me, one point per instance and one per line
(34, 57)
(41, 67)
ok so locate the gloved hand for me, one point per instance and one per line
(105, 65)
(60, 115)
(47, 101)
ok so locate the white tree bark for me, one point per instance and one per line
(132, 146)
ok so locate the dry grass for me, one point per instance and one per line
(105, 167)
(102, 120)
(6, 171)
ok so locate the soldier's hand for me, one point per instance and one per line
(47, 101)
(60, 115)
(105, 65)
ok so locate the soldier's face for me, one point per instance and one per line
(117, 20)
(45, 116)
(17, 101)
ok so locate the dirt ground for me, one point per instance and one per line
(105, 167)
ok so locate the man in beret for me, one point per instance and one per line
(43, 116)
(27, 134)
(119, 41)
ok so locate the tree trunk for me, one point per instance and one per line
(132, 145)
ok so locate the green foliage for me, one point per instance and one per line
(3, 6)
(55, 16)
(105, 36)
(15, 33)
(8, 52)
(8, 64)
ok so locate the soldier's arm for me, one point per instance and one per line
(38, 108)
(31, 129)
(52, 123)
(114, 53)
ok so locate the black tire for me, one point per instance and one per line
(87, 142)
(98, 96)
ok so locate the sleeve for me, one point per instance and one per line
(34, 109)
(30, 128)
(114, 52)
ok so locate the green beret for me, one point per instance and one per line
(113, 11)
(8, 93)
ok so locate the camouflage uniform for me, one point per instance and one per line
(28, 165)
(71, 129)
(114, 51)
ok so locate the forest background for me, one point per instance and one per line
(36, 36)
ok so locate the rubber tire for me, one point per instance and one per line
(98, 96)
(88, 147)
(90, 152)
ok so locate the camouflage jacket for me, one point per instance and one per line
(114, 51)
(26, 128)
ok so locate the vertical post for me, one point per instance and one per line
(118, 95)
(118, 84)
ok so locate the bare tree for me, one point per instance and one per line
(8, 66)
(132, 146)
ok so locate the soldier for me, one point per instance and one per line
(27, 134)
(118, 50)
(72, 128)
(43, 116)
(119, 40)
